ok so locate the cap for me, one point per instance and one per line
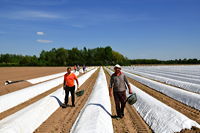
(117, 66)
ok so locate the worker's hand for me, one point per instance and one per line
(77, 87)
(130, 91)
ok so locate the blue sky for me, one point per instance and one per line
(158, 29)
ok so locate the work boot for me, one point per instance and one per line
(122, 115)
(64, 105)
(118, 117)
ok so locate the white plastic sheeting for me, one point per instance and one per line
(185, 85)
(31, 117)
(95, 117)
(181, 78)
(45, 78)
(166, 71)
(86, 76)
(12, 99)
(160, 117)
(87, 69)
(186, 97)
(190, 70)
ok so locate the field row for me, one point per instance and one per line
(42, 114)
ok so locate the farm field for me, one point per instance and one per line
(168, 101)
(23, 74)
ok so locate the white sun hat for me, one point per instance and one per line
(117, 66)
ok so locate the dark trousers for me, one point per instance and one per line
(120, 102)
(72, 91)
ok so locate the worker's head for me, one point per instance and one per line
(117, 68)
(69, 70)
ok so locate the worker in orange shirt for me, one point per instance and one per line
(68, 86)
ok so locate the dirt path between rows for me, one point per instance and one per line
(180, 107)
(163, 82)
(25, 73)
(21, 74)
(131, 122)
(29, 102)
(62, 119)
(5, 89)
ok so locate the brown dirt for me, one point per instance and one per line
(131, 123)
(193, 130)
(63, 118)
(182, 108)
(5, 89)
(23, 73)
(164, 83)
(25, 104)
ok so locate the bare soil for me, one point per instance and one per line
(22, 74)
(182, 108)
(29, 102)
(132, 122)
(164, 83)
(62, 119)
(25, 104)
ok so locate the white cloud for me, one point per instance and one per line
(40, 33)
(38, 14)
(44, 41)
(36, 2)
(31, 15)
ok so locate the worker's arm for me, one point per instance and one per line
(129, 88)
(110, 92)
(64, 84)
(77, 83)
(127, 83)
(111, 86)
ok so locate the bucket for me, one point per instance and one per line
(79, 93)
(132, 99)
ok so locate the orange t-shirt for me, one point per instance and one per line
(69, 79)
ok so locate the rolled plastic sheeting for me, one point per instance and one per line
(192, 71)
(160, 117)
(167, 71)
(45, 78)
(15, 98)
(30, 118)
(184, 85)
(180, 78)
(186, 97)
(95, 117)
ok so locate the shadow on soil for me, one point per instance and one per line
(97, 104)
(8, 82)
(58, 100)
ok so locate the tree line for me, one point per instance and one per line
(90, 57)
(155, 61)
(67, 57)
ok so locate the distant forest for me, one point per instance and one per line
(89, 57)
